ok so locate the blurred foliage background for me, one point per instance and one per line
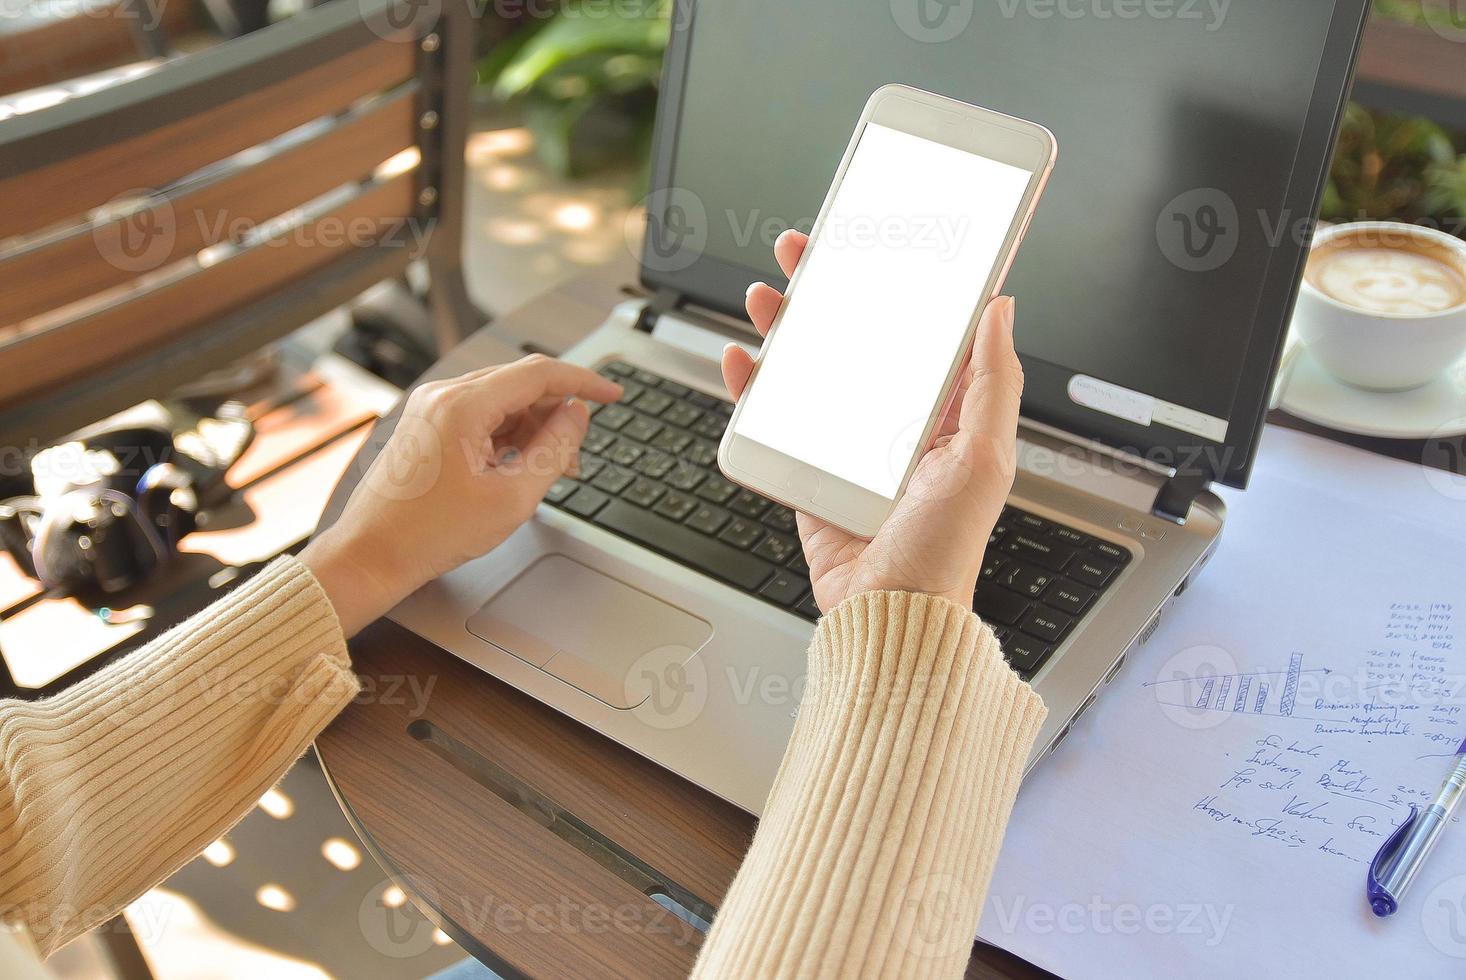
(584, 74)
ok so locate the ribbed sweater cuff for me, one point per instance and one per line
(878, 839)
(112, 785)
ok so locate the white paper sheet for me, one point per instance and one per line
(1214, 813)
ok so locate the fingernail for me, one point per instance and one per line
(729, 346)
(1010, 313)
(751, 287)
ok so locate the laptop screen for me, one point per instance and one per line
(1180, 127)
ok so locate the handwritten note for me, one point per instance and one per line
(1214, 813)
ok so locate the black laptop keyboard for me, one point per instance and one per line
(649, 472)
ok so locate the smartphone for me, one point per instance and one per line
(916, 235)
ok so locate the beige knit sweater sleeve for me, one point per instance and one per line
(878, 840)
(112, 785)
(872, 857)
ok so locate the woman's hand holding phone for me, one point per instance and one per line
(934, 540)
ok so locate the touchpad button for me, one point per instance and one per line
(588, 629)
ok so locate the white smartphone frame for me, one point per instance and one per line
(987, 133)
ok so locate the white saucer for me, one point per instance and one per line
(1435, 411)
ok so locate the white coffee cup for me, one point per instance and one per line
(1389, 336)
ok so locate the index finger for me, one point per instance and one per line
(515, 387)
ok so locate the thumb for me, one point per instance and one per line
(553, 450)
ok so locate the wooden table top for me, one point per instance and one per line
(530, 839)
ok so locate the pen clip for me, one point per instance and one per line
(1380, 900)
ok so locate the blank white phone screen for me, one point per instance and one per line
(881, 307)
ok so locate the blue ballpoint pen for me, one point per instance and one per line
(1397, 862)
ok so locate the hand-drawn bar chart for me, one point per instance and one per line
(1256, 692)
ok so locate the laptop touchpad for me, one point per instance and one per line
(611, 640)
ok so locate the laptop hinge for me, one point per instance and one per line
(1173, 502)
(662, 301)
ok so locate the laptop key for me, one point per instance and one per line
(702, 453)
(1028, 547)
(586, 501)
(709, 427)
(641, 429)
(674, 389)
(1069, 536)
(646, 378)
(716, 489)
(1029, 521)
(776, 548)
(1026, 579)
(708, 519)
(785, 588)
(613, 417)
(597, 440)
(560, 489)
(625, 453)
(618, 368)
(643, 492)
(1093, 571)
(1111, 552)
(999, 606)
(614, 479)
(808, 607)
(1049, 626)
(742, 533)
(590, 466)
(684, 544)
(1025, 653)
(749, 504)
(992, 567)
(702, 400)
(652, 403)
(1070, 596)
(798, 563)
(676, 506)
(671, 440)
(682, 415)
(656, 465)
(780, 518)
(684, 477)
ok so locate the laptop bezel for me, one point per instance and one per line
(718, 285)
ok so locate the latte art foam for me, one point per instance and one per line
(1389, 280)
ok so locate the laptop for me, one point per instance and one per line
(667, 609)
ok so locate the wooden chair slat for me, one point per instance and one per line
(157, 158)
(49, 358)
(96, 258)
